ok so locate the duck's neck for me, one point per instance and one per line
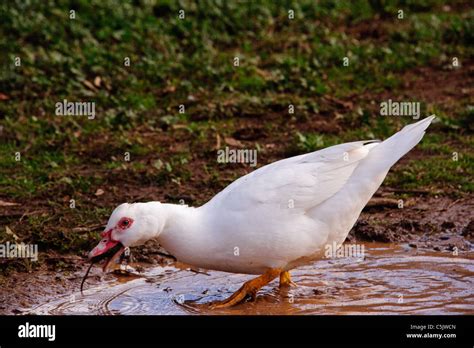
(183, 229)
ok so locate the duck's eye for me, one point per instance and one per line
(125, 223)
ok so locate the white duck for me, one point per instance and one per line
(270, 221)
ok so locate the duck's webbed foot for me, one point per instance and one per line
(249, 289)
(285, 279)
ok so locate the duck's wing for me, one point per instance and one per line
(296, 184)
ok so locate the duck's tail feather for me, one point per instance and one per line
(387, 153)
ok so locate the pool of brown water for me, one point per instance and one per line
(390, 279)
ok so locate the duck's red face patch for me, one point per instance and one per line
(104, 245)
(108, 247)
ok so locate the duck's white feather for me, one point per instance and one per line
(300, 182)
(285, 213)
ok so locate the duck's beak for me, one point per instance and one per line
(107, 248)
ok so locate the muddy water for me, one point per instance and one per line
(390, 279)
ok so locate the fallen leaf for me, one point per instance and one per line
(169, 89)
(179, 126)
(233, 142)
(89, 85)
(7, 204)
(97, 81)
(218, 142)
(99, 192)
(10, 232)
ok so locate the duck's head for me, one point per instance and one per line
(129, 225)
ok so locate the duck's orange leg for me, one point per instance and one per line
(249, 288)
(285, 279)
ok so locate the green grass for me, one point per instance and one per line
(439, 173)
(191, 62)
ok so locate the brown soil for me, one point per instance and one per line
(437, 223)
